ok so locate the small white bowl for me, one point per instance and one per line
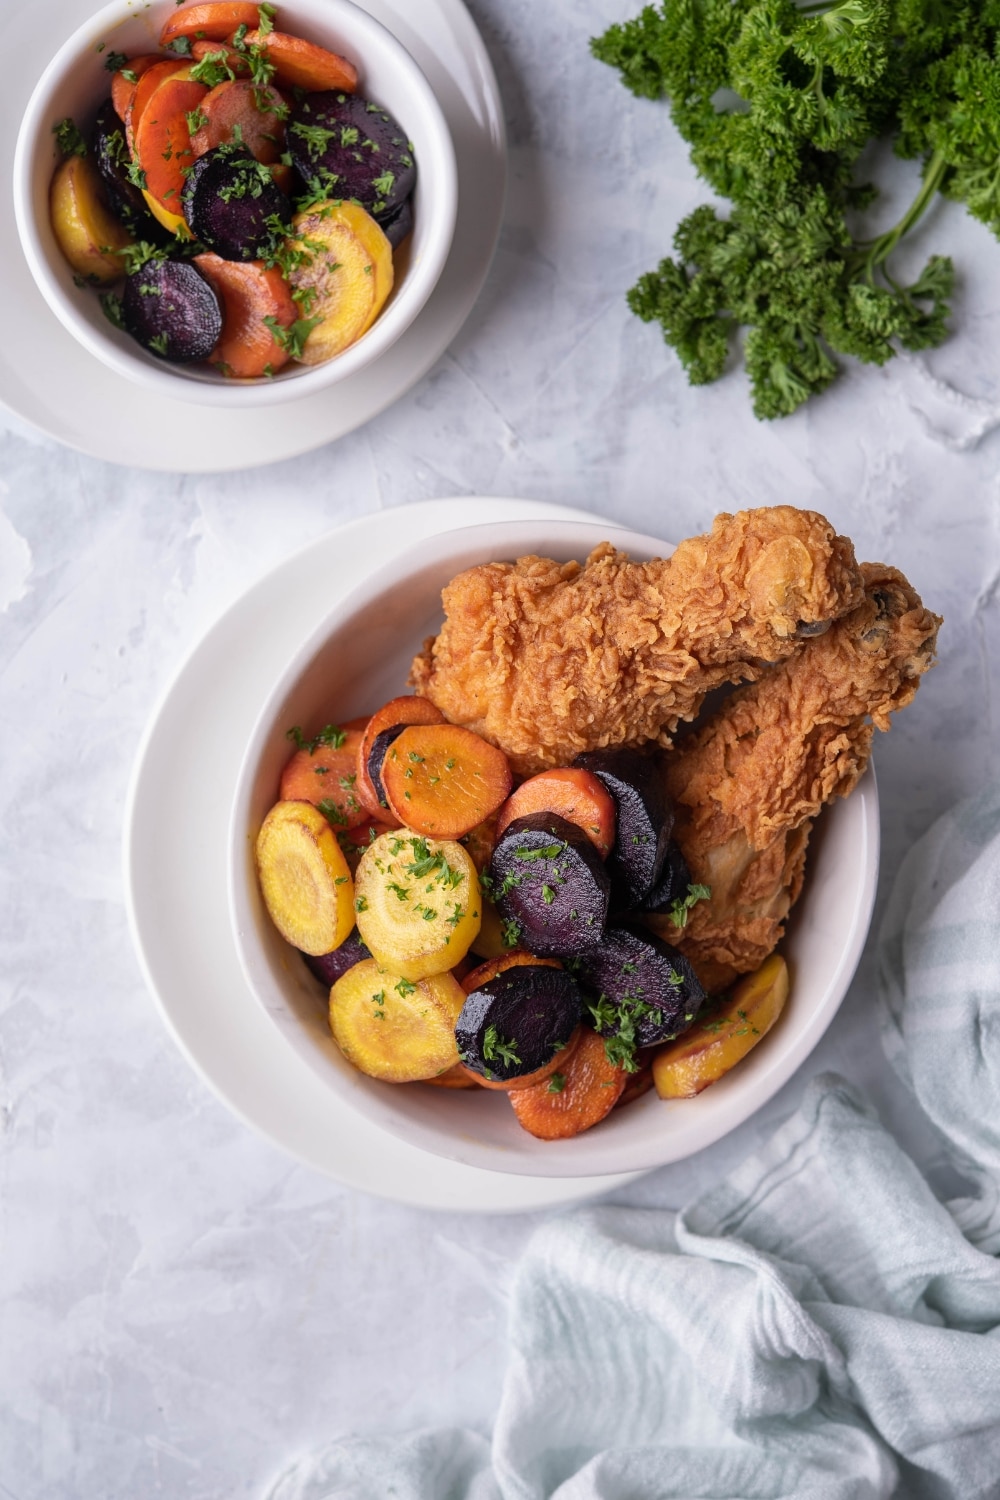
(358, 659)
(75, 83)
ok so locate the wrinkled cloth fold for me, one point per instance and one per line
(817, 1325)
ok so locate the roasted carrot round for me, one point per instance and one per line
(303, 65)
(123, 89)
(234, 110)
(518, 957)
(213, 22)
(453, 1078)
(247, 348)
(162, 137)
(578, 796)
(441, 780)
(238, 63)
(409, 709)
(144, 90)
(354, 841)
(326, 774)
(574, 1097)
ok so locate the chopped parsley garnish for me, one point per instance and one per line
(680, 908)
(293, 338)
(111, 306)
(68, 138)
(332, 812)
(316, 138)
(556, 1083)
(494, 1048)
(332, 735)
(212, 70)
(115, 61)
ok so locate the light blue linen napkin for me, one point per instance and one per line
(818, 1325)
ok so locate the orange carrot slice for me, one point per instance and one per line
(578, 796)
(213, 22)
(638, 1084)
(354, 841)
(494, 966)
(237, 62)
(575, 1097)
(235, 106)
(441, 780)
(409, 709)
(144, 91)
(162, 137)
(324, 776)
(247, 349)
(455, 1078)
(302, 65)
(123, 89)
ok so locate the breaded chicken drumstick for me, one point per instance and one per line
(547, 660)
(749, 783)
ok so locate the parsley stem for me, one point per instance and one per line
(878, 250)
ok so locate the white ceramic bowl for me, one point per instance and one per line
(359, 658)
(75, 83)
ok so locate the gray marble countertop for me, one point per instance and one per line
(184, 1309)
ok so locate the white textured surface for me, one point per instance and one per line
(181, 1308)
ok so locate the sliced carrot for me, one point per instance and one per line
(517, 958)
(144, 91)
(324, 776)
(409, 709)
(215, 22)
(237, 62)
(482, 975)
(123, 89)
(441, 780)
(236, 106)
(578, 796)
(248, 349)
(303, 65)
(453, 1078)
(575, 1097)
(162, 137)
(638, 1083)
(480, 841)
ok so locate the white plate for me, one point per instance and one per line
(176, 866)
(360, 655)
(53, 383)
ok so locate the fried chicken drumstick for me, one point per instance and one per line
(547, 660)
(748, 785)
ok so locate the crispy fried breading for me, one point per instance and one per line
(547, 660)
(750, 782)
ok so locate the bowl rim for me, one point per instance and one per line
(856, 818)
(191, 383)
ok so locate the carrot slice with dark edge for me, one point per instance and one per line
(578, 796)
(441, 780)
(123, 89)
(234, 110)
(302, 65)
(409, 709)
(323, 774)
(247, 348)
(163, 140)
(215, 22)
(517, 958)
(575, 1097)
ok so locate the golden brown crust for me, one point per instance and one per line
(750, 782)
(547, 659)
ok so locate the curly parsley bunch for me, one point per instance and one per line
(777, 102)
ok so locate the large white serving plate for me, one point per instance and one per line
(50, 381)
(360, 656)
(176, 857)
